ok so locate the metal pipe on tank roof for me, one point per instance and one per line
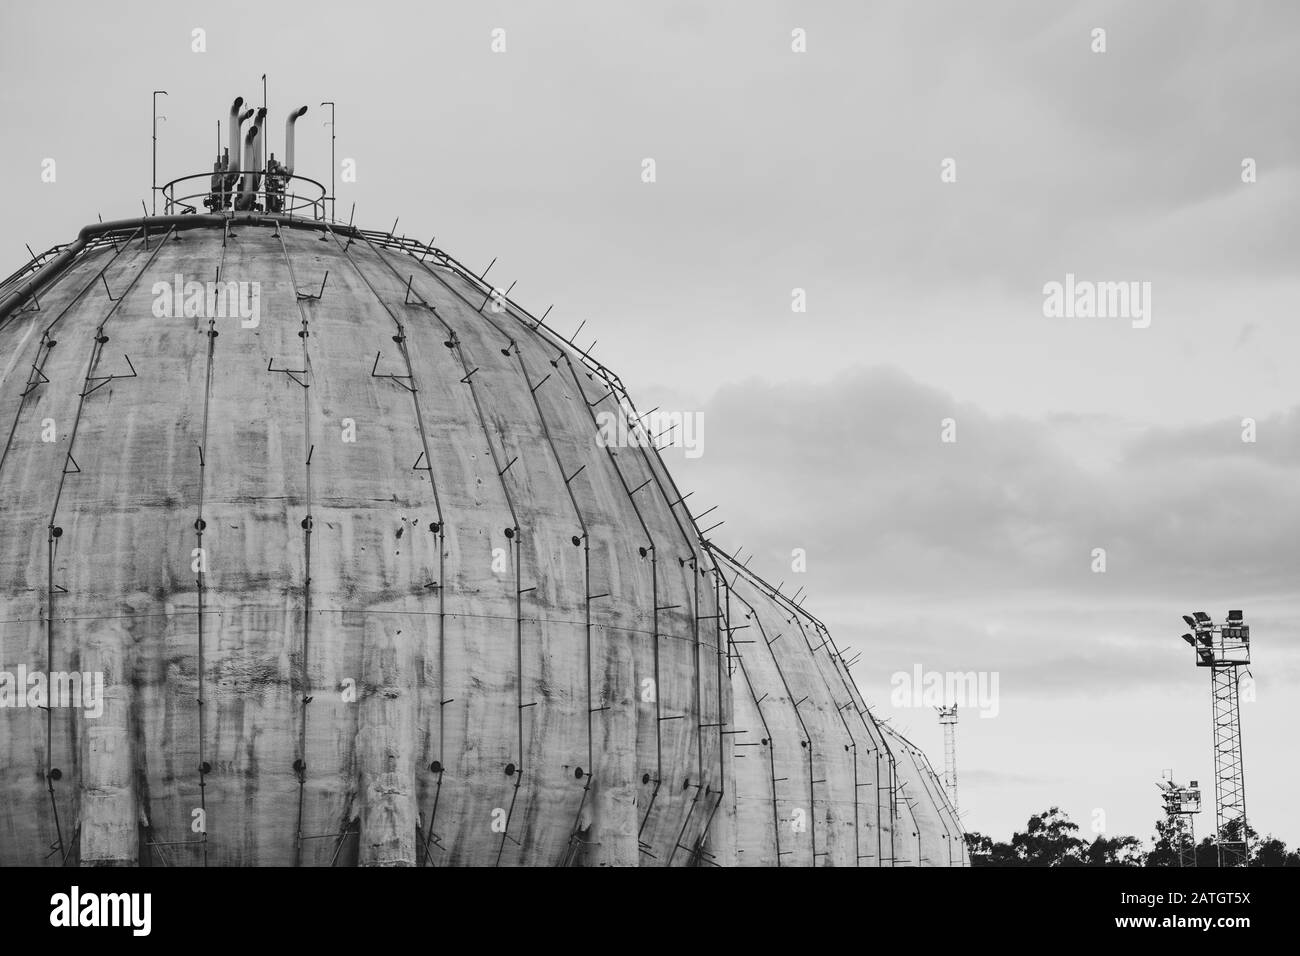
(288, 138)
(236, 121)
(249, 186)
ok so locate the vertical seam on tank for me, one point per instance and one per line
(615, 386)
(893, 797)
(304, 697)
(782, 602)
(658, 636)
(694, 547)
(845, 679)
(586, 565)
(874, 733)
(201, 581)
(586, 541)
(850, 688)
(853, 743)
(514, 517)
(944, 807)
(95, 352)
(722, 695)
(771, 755)
(812, 797)
(441, 539)
(927, 784)
(4, 453)
(654, 582)
(655, 590)
(693, 551)
(941, 806)
(771, 740)
(699, 852)
(654, 475)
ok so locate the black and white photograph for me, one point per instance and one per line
(739, 436)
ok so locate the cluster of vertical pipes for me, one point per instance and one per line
(236, 184)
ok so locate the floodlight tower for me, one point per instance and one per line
(1224, 650)
(1181, 804)
(948, 717)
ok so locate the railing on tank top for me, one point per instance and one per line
(281, 194)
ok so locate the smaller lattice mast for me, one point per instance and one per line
(948, 718)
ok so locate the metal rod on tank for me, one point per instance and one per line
(154, 184)
(441, 527)
(55, 532)
(333, 201)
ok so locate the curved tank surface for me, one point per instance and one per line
(359, 563)
(315, 551)
(928, 832)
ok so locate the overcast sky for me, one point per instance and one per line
(820, 170)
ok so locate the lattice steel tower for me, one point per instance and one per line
(1181, 804)
(948, 717)
(1224, 650)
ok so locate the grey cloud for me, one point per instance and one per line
(997, 778)
(854, 472)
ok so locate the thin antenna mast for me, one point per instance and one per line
(333, 200)
(153, 188)
(265, 133)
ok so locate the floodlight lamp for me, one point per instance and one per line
(1235, 617)
(1203, 618)
(1189, 639)
(1191, 621)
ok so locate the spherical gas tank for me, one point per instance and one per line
(314, 551)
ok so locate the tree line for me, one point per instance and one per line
(1051, 839)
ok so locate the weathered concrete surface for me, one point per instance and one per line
(461, 638)
(804, 737)
(366, 588)
(806, 749)
(958, 853)
(928, 833)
